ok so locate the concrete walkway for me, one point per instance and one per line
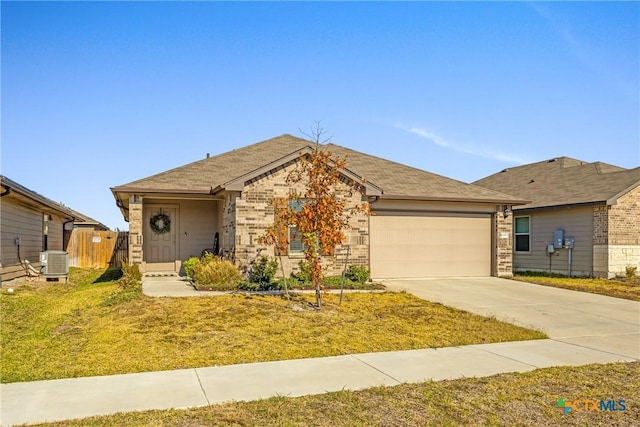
(584, 328)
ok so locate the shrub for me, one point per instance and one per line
(129, 286)
(304, 275)
(190, 265)
(263, 269)
(264, 286)
(631, 271)
(357, 273)
(216, 273)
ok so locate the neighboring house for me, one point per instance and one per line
(596, 204)
(423, 225)
(86, 222)
(31, 223)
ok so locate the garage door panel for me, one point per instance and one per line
(430, 245)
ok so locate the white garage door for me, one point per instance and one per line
(430, 245)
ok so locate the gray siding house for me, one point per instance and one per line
(424, 225)
(595, 204)
(31, 223)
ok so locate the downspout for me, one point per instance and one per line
(64, 226)
(6, 192)
(121, 205)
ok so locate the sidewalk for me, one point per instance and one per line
(40, 401)
(573, 343)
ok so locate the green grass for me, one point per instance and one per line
(52, 330)
(503, 400)
(627, 289)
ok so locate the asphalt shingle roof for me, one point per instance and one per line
(42, 200)
(395, 179)
(563, 181)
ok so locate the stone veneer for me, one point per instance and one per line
(503, 241)
(229, 239)
(135, 229)
(254, 213)
(616, 235)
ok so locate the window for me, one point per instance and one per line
(295, 241)
(284, 231)
(289, 233)
(523, 233)
(295, 238)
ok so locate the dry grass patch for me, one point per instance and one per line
(627, 289)
(59, 331)
(507, 399)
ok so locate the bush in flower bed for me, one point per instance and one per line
(215, 274)
(355, 277)
(211, 273)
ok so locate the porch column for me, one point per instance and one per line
(503, 242)
(135, 229)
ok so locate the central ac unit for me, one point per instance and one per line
(54, 263)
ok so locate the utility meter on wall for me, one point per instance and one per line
(569, 242)
(558, 238)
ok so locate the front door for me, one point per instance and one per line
(160, 231)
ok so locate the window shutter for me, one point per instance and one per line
(280, 206)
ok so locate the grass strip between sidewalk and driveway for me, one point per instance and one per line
(617, 288)
(514, 399)
(55, 330)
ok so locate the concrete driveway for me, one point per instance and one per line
(593, 321)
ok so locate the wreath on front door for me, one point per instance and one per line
(160, 223)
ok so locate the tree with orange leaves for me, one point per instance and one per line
(319, 213)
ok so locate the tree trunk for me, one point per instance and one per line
(318, 293)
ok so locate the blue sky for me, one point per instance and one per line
(96, 95)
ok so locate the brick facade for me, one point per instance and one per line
(254, 213)
(135, 229)
(601, 224)
(616, 235)
(503, 241)
(244, 216)
(229, 238)
(624, 220)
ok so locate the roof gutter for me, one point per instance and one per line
(455, 199)
(13, 187)
(158, 191)
(558, 207)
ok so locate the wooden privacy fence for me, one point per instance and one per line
(98, 249)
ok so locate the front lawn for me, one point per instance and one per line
(52, 330)
(618, 288)
(514, 399)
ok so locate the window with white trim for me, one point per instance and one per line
(522, 233)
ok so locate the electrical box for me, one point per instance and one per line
(550, 249)
(558, 238)
(569, 242)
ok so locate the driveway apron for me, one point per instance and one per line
(590, 320)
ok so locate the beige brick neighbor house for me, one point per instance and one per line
(424, 225)
(596, 205)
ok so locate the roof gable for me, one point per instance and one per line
(564, 181)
